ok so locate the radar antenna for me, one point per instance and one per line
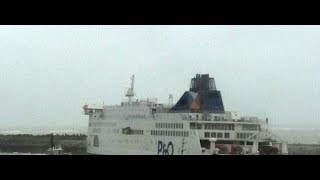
(130, 92)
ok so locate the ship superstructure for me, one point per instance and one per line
(196, 125)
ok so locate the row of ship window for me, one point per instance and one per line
(244, 135)
(169, 125)
(216, 135)
(169, 133)
(215, 126)
(139, 132)
(226, 135)
(219, 126)
(216, 118)
(130, 131)
(250, 127)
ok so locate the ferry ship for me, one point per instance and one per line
(196, 125)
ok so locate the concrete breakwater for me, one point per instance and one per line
(26, 143)
(76, 144)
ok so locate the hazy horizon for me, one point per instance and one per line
(49, 72)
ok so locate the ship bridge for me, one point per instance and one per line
(88, 110)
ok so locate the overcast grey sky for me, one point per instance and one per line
(47, 73)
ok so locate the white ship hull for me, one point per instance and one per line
(196, 125)
(113, 142)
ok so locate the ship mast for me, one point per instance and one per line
(130, 92)
(170, 100)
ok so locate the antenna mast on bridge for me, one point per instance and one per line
(130, 92)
